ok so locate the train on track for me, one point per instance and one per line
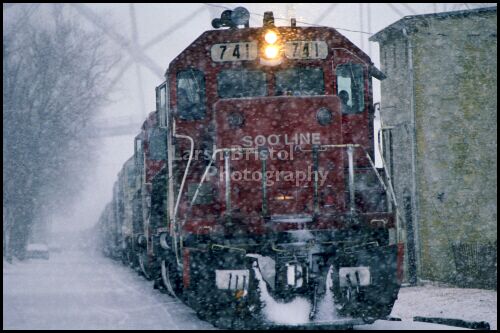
(255, 174)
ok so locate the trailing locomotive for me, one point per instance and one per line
(255, 175)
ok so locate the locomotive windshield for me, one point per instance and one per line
(191, 94)
(300, 82)
(241, 83)
(350, 86)
(162, 107)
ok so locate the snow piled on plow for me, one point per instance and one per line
(296, 311)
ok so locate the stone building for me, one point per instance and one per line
(439, 108)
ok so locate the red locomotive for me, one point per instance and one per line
(255, 175)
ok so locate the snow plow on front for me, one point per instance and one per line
(254, 192)
(297, 289)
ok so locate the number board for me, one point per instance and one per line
(306, 49)
(234, 51)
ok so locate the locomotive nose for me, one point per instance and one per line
(278, 121)
(284, 169)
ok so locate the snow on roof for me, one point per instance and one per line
(407, 21)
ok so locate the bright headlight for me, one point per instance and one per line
(271, 51)
(271, 37)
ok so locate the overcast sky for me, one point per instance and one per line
(156, 33)
(164, 30)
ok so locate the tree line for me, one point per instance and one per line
(54, 79)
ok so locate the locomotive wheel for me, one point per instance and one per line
(130, 257)
(128, 254)
(170, 278)
(123, 255)
(143, 259)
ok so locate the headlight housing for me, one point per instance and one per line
(271, 47)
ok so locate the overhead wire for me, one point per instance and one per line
(285, 19)
(395, 9)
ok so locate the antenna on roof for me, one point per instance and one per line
(232, 18)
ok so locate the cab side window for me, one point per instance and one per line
(191, 94)
(138, 153)
(350, 88)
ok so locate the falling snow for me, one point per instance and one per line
(79, 84)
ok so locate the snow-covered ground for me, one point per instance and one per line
(434, 301)
(74, 290)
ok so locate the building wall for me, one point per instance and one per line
(454, 63)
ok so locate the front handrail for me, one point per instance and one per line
(191, 151)
(388, 188)
(212, 159)
(349, 146)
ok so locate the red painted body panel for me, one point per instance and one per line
(289, 128)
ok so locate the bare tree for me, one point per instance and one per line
(54, 76)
